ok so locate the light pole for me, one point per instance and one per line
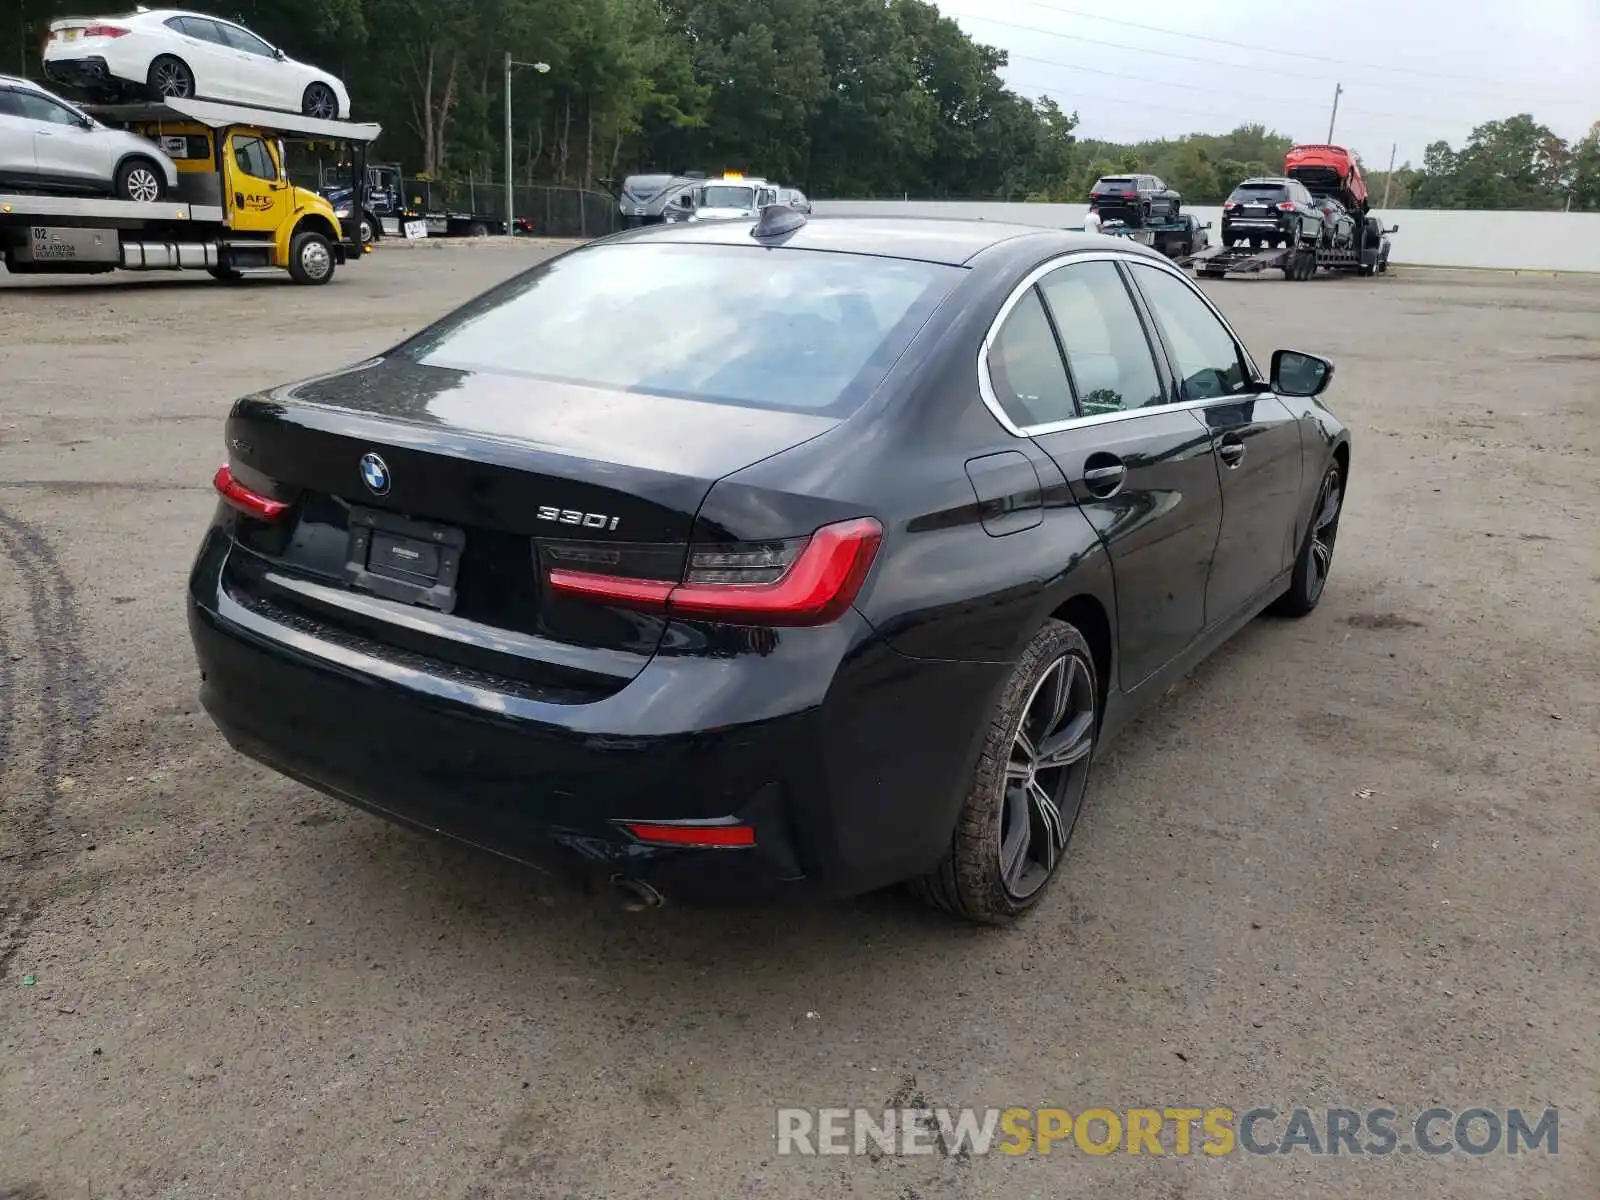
(1338, 90)
(542, 68)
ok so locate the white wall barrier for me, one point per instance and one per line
(1531, 241)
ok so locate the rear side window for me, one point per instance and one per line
(1105, 341)
(799, 330)
(1025, 368)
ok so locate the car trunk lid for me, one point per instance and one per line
(427, 505)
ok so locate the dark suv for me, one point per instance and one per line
(1271, 212)
(1136, 199)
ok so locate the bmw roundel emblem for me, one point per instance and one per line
(375, 474)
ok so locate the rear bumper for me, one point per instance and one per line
(853, 785)
(1259, 226)
(79, 72)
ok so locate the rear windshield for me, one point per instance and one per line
(645, 186)
(1259, 191)
(799, 330)
(1107, 185)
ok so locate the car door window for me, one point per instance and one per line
(199, 28)
(1025, 368)
(241, 40)
(41, 108)
(1208, 360)
(1112, 365)
(253, 158)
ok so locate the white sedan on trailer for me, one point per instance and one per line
(165, 52)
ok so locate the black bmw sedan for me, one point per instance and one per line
(839, 580)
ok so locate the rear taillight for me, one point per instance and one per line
(704, 834)
(801, 581)
(251, 503)
(110, 31)
(1286, 206)
(1230, 205)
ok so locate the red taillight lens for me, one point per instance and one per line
(1230, 205)
(1286, 206)
(110, 31)
(691, 834)
(808, 581)
(254, 504)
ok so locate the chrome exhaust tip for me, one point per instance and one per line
(637, 895)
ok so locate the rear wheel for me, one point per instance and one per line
(477, 230)
(310, 258)
(320, 102)
(170, 77)
(140, 180)
(1018, 816)
(1311, 568)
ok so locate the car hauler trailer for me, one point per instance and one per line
(1369, 257)
(234, 208)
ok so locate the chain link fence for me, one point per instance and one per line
(566, 212)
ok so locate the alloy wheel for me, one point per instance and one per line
(143, 186)
(1324, 532)
(173, 79)
(1045, 775)
(321, 104)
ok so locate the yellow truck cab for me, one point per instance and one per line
(235, 207)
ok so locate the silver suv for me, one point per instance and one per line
(48, 145)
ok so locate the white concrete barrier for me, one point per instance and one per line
(1530, 241)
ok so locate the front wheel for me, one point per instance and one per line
(1019, 813)
(320, 102)
(310, 258)
(1315, 560)
(140, 180)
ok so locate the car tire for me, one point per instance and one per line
(170, 77)
(311, 258)
(477, 230)
(1315, 560)
(369, 231)
(1016, 821)
(140, 180)
(320, 103)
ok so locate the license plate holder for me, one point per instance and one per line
(413, 562)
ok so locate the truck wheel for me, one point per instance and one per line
(310, 258)
(140, 180)
(477, 230)
(370, 230)
(170, 76)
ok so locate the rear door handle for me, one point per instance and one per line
(1231, 451)
(1103, 475)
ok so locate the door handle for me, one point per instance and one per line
(1103, 475)
(1231, 451)
(238, 199)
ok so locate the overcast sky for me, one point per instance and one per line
(1413, 71)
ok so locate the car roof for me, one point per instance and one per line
(952, 240)
(1278, 180)
(19, 81)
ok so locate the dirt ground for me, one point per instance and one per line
(1351, 861)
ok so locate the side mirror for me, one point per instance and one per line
(1207, 225)
(280, 56)
(1296, 373)
(685, 201)
(1392, 229)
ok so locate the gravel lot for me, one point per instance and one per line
(1350, 861)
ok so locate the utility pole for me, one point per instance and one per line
(1389, 178)
(540, 67)
(1338, 90)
